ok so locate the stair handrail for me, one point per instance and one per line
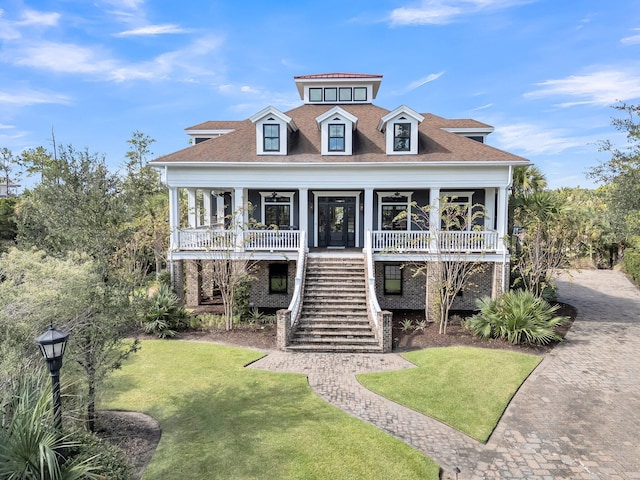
(372, 298)
(296, 299)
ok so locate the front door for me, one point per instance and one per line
(337, 222)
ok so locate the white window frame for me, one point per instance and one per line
(267, 195)
(457, 201)
(381, 203)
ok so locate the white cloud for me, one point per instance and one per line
(440, 12)
(483, 107)
(633, 39)
(151, 30)
(33, 17)
(6, 127)
(67, 58)
(533, 139)
(418, 83)
(27, 97)
(601, 88)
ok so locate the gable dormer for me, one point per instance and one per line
(272, 131)
(336, 131)
(338, 88)
(400, 128)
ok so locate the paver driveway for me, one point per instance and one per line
(576, 417)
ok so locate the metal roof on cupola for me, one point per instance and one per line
(349, 82)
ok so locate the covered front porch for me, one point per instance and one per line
(265, 221)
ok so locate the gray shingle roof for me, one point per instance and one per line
(435, 144)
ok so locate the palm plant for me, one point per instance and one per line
(30, 447)
(519, 317)
(165, 314)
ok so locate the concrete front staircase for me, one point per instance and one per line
(334, 308)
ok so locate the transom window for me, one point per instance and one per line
(336, 137)
(392, 280)
(456, 211)
(271, 137)
(392, 205)
(402, 137)
(277, 209)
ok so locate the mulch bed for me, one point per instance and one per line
(138, 434)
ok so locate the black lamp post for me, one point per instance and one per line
(52, 344)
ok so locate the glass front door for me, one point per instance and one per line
(336, 222)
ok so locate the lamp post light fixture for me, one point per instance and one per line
(52, 345)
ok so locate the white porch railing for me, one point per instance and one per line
(266, 240)
(272, 239)
(393, 241)
(296, 298)
(205, 239)
(372, 298)
(481, 241)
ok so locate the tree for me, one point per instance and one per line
(8, 164)
(147, 199)
(450, 265)
(527, 180)
(621, 175)
(78, 206)
(37, 288)
(546, 239)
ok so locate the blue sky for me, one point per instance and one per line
(544, 73)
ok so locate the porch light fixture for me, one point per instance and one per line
(457, 471)
(397, 194)
(274, 195)
(52, 345)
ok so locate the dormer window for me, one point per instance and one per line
(271, 137)
(402, 137)
(401, 131)
(336, 131)
(272, 129)
(336, 137)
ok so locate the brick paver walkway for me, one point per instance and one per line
(576, 417)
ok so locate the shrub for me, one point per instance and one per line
(30, 447)
(631, 263)
(518, 317)
(108, 460)
(165, 314)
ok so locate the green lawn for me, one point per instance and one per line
(466, 388)
(221, 420)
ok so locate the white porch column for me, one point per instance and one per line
(303, 210)
(501, 218)
(368, 211)
(192, 214)
(434, 216)
(489, 208)
(434, 213)
(174, 218)
(207, 205)
(240, 216)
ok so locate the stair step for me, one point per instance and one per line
(335, 340)
(351, 327)
(316, 348)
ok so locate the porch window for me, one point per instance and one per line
(401, 137)
(277, 210)
(456, 211)
(391, 205)
(278, 277)
(336, 137)
(271, 137)
(392, 280)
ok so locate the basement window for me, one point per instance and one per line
(392, 280)
(278, 276)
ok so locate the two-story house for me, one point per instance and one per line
(313, 195)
